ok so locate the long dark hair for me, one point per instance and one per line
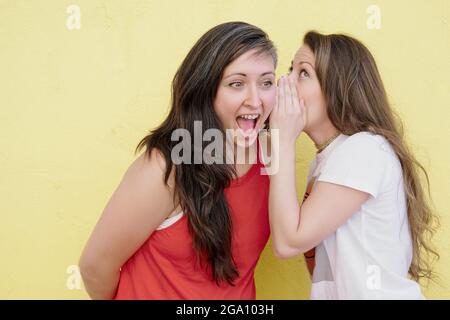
(357, 101)
(199, 188)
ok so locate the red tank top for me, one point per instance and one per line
(165, 266)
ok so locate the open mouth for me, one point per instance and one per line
(247, 122)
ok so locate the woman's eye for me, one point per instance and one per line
(236, 84)
(304, 73)
(267, 84)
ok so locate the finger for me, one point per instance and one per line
(281, 96)
(295, 98)
(288, 95)
(275, 107)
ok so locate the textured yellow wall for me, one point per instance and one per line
(74, 103)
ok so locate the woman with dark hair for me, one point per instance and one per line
(365, 211)
(189, 229)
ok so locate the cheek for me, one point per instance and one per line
(306, 92)
(268, 100)
(319, 103)
(226, 106)
(312, 95)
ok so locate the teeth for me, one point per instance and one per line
(249, 116)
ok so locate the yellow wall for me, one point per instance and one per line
(74, 103)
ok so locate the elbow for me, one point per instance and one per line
(94, 266)
(88, 269)
(100, 282)
(279, 253)
(283, 247)
(285, 252)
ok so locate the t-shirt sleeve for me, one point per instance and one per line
(361, 162)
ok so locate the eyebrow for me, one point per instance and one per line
(292, 64)
(244, 75)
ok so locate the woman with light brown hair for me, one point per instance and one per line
(365, 222)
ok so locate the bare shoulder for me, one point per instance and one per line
(150, 168)
(136, 208)
(149, 163)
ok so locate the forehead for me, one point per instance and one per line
(304, 54)
(251, 62)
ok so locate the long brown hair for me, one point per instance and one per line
(199, 188)
(356, 101)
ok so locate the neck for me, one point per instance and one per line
(323, 134)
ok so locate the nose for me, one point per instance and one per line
(253, 99)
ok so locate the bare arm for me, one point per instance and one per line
(296, 228)
(137, 207)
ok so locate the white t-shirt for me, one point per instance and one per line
(368, 257)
